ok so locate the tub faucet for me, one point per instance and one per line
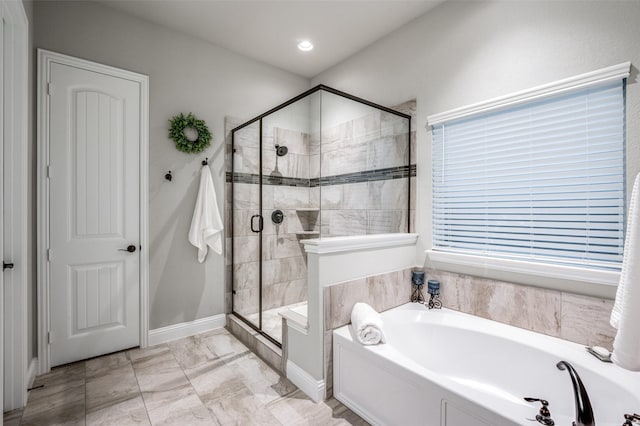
(584, 412)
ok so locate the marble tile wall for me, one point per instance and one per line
(382, 292)
(284, 259)
(580, 319)
(295, 163)
(372, 142)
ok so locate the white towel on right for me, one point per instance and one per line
(367, 324)
(625, 315)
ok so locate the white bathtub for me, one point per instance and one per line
(442, 367)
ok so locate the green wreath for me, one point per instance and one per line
(180, 123)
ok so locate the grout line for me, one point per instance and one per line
(84, 378)
(135, 373)
(211, 414)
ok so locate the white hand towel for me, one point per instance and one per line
(367, 324)
(625, 315)
(206, 224)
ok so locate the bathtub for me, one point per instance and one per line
(442, 367)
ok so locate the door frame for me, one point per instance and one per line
(15, 145)
(45, 60)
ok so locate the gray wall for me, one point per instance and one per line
(185, 75)
(465, 52)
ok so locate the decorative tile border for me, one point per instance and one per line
(252, 178)
(400, 172)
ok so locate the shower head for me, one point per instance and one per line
(281, 150)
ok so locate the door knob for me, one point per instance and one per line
(6, 265)
(130, 248)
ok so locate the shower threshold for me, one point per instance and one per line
(272, 321)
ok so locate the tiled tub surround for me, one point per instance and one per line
(569, 316)
(466, 370)
(382, 292)
(573, 317)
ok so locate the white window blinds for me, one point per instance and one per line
(542, 181)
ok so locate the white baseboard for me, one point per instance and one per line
(32, 371)
(186, 329)
(315, 389)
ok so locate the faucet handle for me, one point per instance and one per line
(630, 419)
(544, 417)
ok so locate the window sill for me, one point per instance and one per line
(591, 282)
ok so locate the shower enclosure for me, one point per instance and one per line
(323, 164)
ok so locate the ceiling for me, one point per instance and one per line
(269, 31)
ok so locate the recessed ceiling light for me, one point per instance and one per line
(305, 45)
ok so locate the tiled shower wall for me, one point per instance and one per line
(364, 175)
(284, 267)
(363, 189)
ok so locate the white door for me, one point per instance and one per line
(2, 213)
(13, 203)
(94, 146)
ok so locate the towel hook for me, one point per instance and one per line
(168, 176)
(205, 162)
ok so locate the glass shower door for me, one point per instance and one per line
(247, 224)
(286, 211)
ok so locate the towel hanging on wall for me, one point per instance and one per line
(625, 315)
(206, 224)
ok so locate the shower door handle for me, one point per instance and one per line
(260, 224)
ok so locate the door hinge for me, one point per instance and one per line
(48, 171)
(49, 255)
(49, 88)
(49, 338)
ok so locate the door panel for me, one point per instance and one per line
(246, 207)
(97, 204)
(97, 293)
(94, 192)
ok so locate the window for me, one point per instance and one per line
(539, 180)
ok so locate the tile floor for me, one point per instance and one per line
(207, 379)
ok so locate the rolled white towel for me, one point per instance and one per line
(367, 324)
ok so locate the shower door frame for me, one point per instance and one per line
(259, 118)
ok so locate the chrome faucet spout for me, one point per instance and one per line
(584, 411)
